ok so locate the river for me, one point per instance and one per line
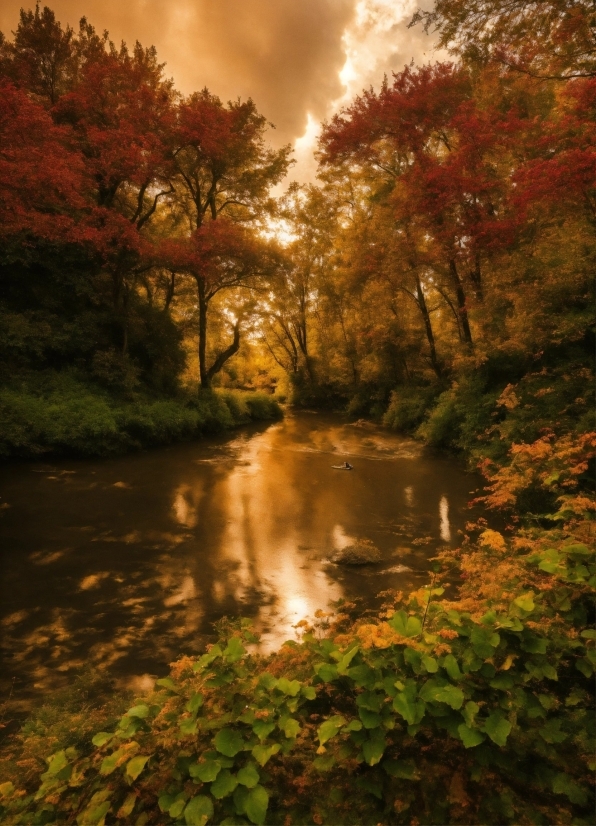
(125, 563)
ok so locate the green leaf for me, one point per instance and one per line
(188, 726)
(256, 805)
(525, 601)
(195, 702)
(330, 728)
(308, 692)
(345, 661)
(141, 711)
(262, 729)
(470, 711)
(404, 769)
(439, 692)
(353, 725)
(101, 738)
(324, 763)
(6, 789)
(198, 811)
(470, 737)
(207, 772)
(551, 732)
(94, 815)
(228, 742)
(135, 766)
(370, 719)
(405, 625)
(57, 762)
(224, 785)
(430, 664)
(263, 754)
(451, 666)
(373, 749)
(177, 806)
(248, 776)
(497, 727)
(411, 710)
(327, 672)
(291, 727)
(234, 650)
(290, 688)
(563, 784)
(167, 682)
(113, 760)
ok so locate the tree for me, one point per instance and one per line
(221, 168)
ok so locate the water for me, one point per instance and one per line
(124, 564)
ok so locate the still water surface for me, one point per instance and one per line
(125, 563)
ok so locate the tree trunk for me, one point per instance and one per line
(461, 302)
(421, 301)
(204, 377)
(226, 354)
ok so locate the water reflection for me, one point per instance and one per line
(125, 564)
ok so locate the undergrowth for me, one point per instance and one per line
(477, 709)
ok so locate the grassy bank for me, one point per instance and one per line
(64, 416)
(476, 709)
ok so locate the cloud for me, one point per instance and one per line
(299, 60)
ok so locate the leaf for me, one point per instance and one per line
(329, 728)
(224, 785)
(256, 805)
(563, 784)
(263, 754)
(345, 661)
(188, 726)
(451, 666)
(167, 682)
(195, 702)
(470, 711)
(327, 672)
(177, 806)
(290, 688)
(207, 771)
(140, 711)
(291, 727)
(94, 815)
(135, 766)
(262, 729)
(198, 811)
(324, 763)
(405, 625)
(470, 737)
(248, 776)
(370, 719)
(373, 749)
(411, 710)
(110, 763)
(101, 738)
(6, 789)
(228, 742)
(308, 692)
(126, 809)
(497, 727)
(234, 650)
(525, 601)
(438, 692)
(57, 762)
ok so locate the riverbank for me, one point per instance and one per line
(66, 417)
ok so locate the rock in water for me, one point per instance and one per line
(362, 552)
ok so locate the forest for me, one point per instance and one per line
(159, 284)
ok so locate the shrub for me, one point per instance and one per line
(408, 406)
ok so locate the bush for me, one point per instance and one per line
(408, 406)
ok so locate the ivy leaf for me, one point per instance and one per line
(141, 711)
(345, 661)
(224, 785)
(497, 727)
(329, 728)
(126, 809)
(430, 664)
(370, 719)
(405, 625)
(167, 682)
(248, 776)
(438, 692)
(228, 742)
(198, 811)
(177, 806)
(290, 688)
(188, 726)
(263, 754)
(112, 761)
(256, 805)
(94, 815)
(411, 710)
(470, 737)
(308, 692)
(525, 601)
(135, 766)
(324, 763)
(57, 762)
(327, 672)
(563, 784)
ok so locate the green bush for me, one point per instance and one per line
(408, 406)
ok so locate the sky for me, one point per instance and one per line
(299, 60)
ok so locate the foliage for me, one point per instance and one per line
(75, 418)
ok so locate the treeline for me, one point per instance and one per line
(443, 269)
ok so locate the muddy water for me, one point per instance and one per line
(125, 564)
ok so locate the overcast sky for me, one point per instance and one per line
(300, 60)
